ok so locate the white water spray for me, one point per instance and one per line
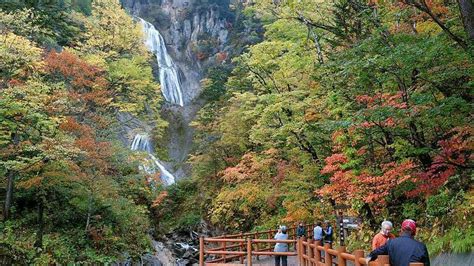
(170, 84)
(141, 142)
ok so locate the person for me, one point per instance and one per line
(385, 234)
(403, 250)
(301, 230)
(281, 247)
(318, 232)
(328, 233)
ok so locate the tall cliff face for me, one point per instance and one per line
(196, 36)
(195, 31)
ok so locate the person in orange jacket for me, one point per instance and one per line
(404, 249)
(385, 234)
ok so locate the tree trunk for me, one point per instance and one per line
(10, 178)
(89, 211)
(417, 139)
(318, 47)
(371, 150)
(305, 145)
(466, 7)
(367, 213)
(8, 195)
(39, 234)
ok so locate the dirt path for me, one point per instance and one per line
(268, 260)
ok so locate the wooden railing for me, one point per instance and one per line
(312, 253)
(245, 251)
(244, 247)
(234, 247)
(271, 233)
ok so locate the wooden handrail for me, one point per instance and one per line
(227, 255)
(219, 240)
(273, 241)
(272, 253)
(227, 246)
(309, 252)
(291, 232)
(348, 256)
(226, 252)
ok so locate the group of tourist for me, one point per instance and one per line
(325, 235)
(402, 250)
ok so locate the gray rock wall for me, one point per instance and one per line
(195, 33)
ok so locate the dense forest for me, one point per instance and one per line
(366, 104)
(73, 192)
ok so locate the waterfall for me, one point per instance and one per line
(170, 84)
(141, 142)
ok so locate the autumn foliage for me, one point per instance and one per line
(72, 191)
(76, 71)
(87, 82)
(455, 156)
(366, 107)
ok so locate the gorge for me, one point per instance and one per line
(180, 27)
(131, 128)
(179, 71)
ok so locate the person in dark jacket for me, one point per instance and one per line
(301, 230)
(404, 249)
(328, 234)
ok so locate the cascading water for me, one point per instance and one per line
(169, 79)
(171, 89)
(141, 142)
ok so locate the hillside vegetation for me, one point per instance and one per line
(364, 104)
(342, 103)
(65, 72)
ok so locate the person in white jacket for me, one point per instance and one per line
(281, 247)
(318, 232)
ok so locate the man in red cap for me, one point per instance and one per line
(404, 249)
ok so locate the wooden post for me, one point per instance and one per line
(382, 260)
(241, 248)
(358, 254)
(309, 251)
(249, 251)
(257, 244)
(224, 248)
(317, 253)
(340, 220)
(340, 260)
(327, 256)
(201, 251)
(270, 236)
(294, 238)
(299, 251)
(303, 248)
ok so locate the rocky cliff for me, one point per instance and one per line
(195, 31)
(196, 34)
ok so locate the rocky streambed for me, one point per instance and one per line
(170, 250)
